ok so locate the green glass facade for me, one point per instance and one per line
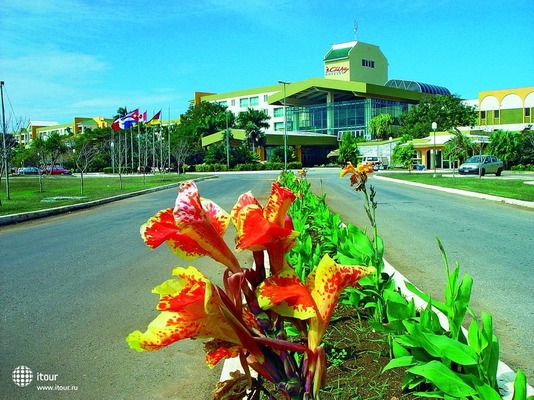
(342, 116)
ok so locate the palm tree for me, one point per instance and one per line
(121, 112)
(253, 121)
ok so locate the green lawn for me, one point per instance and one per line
(510, 188)
(25, 195)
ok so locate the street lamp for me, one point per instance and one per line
(434, 127)
(285, 123)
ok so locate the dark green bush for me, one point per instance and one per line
(521, 167)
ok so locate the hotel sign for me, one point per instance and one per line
(336, 70)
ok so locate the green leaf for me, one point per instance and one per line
(398, 350)
(444, 379)
(474, 336)
(486, 392)
(399, 362)
(440, 306)
(520, 386)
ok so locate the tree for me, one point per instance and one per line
(253, 122)
(457, 148)
(216, 154)
(202, 120)
(181, 149)
(348, 149)
(403, 154)
(278, 154)
(121, 112)
(379, 126)
(242, 155)
(85, 149)
(47, 152)
(527, 154)
(448, 111)
(507, 146)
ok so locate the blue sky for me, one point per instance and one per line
(65, 58)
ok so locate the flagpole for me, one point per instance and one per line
(169, 140)
(6, 164)
(138, 148)
(132, 148)
(153, 148)
(126, 150)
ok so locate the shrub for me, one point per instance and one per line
(521, 167)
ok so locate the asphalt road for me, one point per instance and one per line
(491, 241)
(74, 286)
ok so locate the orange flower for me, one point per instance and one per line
(267, 228)
(315, 300)
(189, 309)
(194, 228)
(359, 174)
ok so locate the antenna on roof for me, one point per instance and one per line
(355, 30)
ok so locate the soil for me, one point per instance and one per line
(356, 355)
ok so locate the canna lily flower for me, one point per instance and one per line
(285, 294)
(315, 300)
(359, 174)
(190, 308)
(194, 228)
(267, 228)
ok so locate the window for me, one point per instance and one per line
(223, 103)
(482, 114)
(527, 112)
(368, 63)
(233, 102)
(496, 114)
(254, 101)
(265, 97)
(278, 112)
(243, 102)
(278, 126)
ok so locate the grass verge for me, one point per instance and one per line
(25, 195)
(513, 189)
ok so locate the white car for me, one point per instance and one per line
(483, 164)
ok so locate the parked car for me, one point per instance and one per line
(483, 164)
(28, 171)
(56, 171)
(378, 162)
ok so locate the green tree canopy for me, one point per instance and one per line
(403, 154)
(202, 120)
(348, 150)
(254, 122)
(458, 147)
(379, 126)
(198, 121)
(508, 146)
(448, 111)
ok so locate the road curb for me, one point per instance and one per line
(22, 217)
(521, 203)
(505, 375)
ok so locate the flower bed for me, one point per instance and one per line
(276, 320)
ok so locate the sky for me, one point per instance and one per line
(62, 59)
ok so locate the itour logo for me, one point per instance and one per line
(22, 376)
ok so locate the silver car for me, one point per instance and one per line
(481, 165)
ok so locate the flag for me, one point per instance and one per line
(142, 117)
(127, 121)
(155, 120)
